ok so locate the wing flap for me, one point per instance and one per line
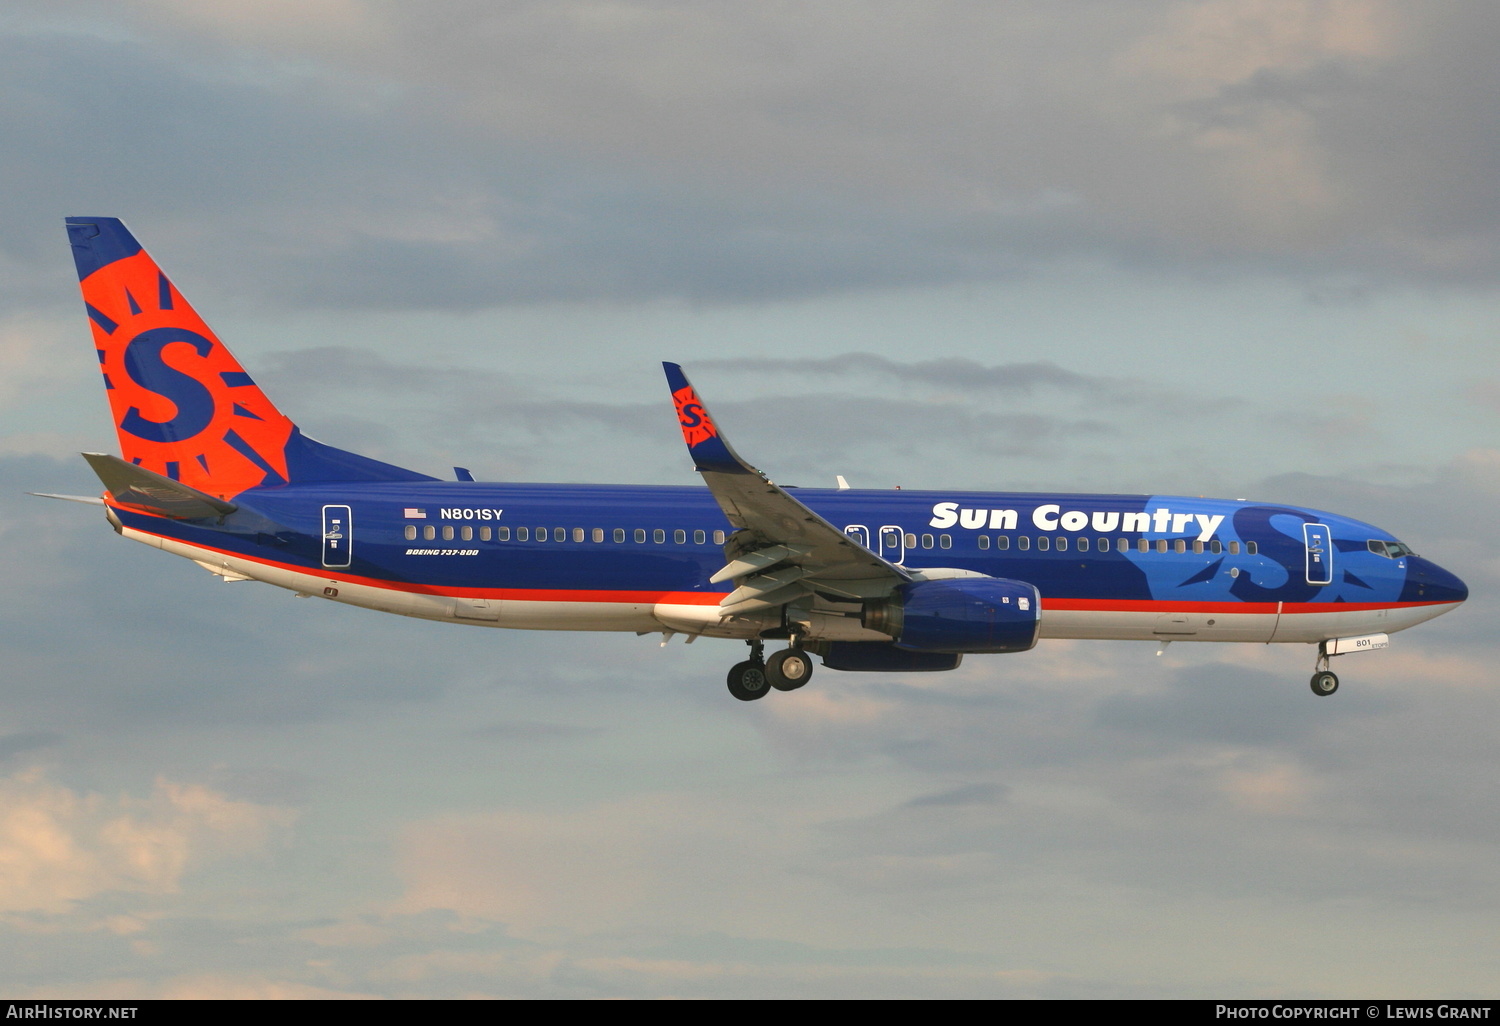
(756, 601)
(758, 560)
(765, 584)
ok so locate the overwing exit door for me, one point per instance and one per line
(892, 544)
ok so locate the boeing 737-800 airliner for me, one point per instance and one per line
(866, 580)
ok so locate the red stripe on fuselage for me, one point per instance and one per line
(712, 598)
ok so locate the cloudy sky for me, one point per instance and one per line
(1226, 247)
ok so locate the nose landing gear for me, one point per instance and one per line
(1324, 681)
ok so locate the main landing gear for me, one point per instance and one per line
(787, 670)
(1324, 681)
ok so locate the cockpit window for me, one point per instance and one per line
(1389, 549)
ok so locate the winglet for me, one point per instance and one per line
(709, 449)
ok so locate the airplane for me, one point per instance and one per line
(866, 580)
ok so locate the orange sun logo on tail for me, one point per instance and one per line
(697, 426)
(183, 406)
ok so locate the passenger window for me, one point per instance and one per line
(1123, 544)
(1062, 543)
(1023, 543)
(659, 536)
(911, 541)
(1043, 543)
(559, 534)
(1234, 548)
(1215, 546)
(1197, 547)
(1083, 544)
(466, 533)
(578, 534)
(718, 537)
(945, 541)
(1143, 545)
(1252, 548)
(1180, 545)
(699, 537)
(429, 532)
(640, 536)
(984, 541)
(1002, 541)
(540, 534)
(679, 537)
(598, 535)
(411, 532)
(502, 533)
(926, 541)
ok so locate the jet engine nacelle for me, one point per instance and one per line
(964, 615)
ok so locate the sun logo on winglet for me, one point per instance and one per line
(697, 426)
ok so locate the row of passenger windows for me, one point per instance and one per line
(1023, 543)
(1061, 543)
(448, 532)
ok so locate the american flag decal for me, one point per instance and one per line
(414, 514)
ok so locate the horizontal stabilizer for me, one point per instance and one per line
(143, 489)
(92, 500)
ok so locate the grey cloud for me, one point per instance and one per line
(27, 741)
(968, 794)
(1224, 704)
(543, 155)
(877, 421)
(512, 731)
(948, 372)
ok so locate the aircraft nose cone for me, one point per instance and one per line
(1432, 583)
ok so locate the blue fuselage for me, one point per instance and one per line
(1088, 555)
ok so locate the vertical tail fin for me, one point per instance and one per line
(182, 404)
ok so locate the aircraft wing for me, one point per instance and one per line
(781, 550)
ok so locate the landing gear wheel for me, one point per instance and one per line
(789, 669)
(1324, 683)
(747, 681)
